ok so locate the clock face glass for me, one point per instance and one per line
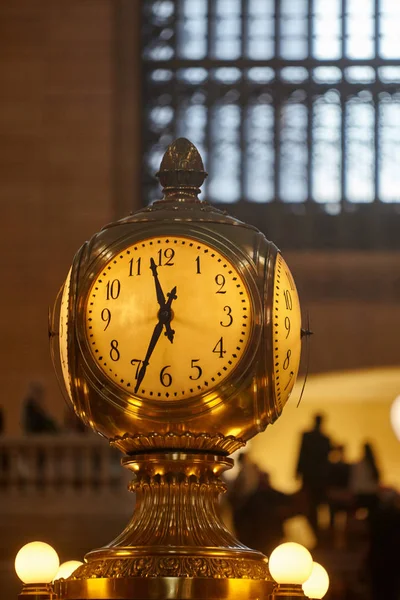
(64, 334)
(286, 331)
(168, 318)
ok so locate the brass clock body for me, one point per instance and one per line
(178, 327)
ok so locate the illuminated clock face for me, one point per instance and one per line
(286, 332)
(168, 318)
(64, 334)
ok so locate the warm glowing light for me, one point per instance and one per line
(317, 584)
(290, 563)
(395, 417)
(36, 562)
(67, 568)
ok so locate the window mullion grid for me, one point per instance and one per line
(376, 102)
(343, 101)
(213, 89)
(309, 100)
(210, 93)
(277, 103)
(175, 96)
(244, 96)
(375, 98)
(279, 62)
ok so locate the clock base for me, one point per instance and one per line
(176, 545)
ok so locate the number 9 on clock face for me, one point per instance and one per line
(168, 318)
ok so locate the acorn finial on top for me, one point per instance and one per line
(181, 171)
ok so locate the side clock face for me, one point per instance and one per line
(63, 329)
(286, 332)
(168, 318)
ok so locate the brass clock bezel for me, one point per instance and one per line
(204, 401)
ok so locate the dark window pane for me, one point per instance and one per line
(389, 147)
(326, 147)
(360, 148)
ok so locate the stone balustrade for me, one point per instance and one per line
(62, 474)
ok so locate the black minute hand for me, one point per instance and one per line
(164, 318)
(154, 339)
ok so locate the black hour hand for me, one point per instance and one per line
(159, 292)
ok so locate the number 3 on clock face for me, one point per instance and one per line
(168, 318)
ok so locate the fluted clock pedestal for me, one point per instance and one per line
(176, 545)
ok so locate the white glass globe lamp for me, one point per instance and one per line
(317, 584)
(395, 417)
(290, 565)
(36, 564)
(67, 568)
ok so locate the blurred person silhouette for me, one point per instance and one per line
(364, 480)
(259, 518)
(35, 418)
(4, 462)
(383, 562)
(338, 492)
(242, 487)
(36, 421)
(313, 468)
(246, 482)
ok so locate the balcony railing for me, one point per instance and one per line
(62, 473)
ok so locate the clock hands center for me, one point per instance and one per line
(164, 319)
(165, 314)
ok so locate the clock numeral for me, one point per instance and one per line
(287, 326)
(228, 311)
(219, 348)
(286, 362)
(288, 300)
(165, 257)
(165, 378)
(198, 265)
(198, 369)
(114, 352)
(139, 362)
(220, 280)
(132, 264)
(290, 379)
(106, 317)
(290, 278)
(113, 289)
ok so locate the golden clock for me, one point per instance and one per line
(177, 337)
(168, 318)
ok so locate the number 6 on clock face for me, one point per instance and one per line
(168, 318)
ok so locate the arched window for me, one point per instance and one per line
(294, 105)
